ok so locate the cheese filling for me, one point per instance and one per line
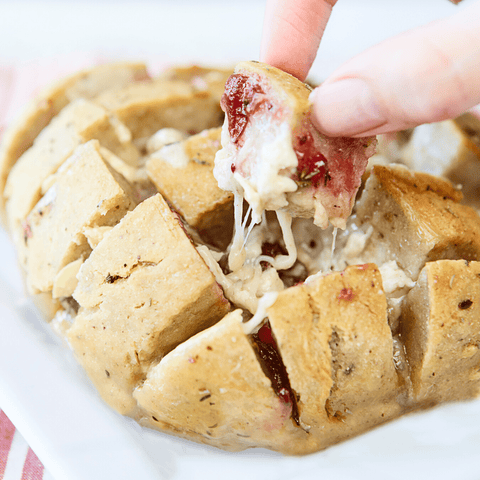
(272, 168)
(256, 171)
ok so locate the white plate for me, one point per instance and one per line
(78, 437)
(44, 391)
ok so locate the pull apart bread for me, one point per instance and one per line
(240, 327)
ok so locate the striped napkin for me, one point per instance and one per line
(17, 459)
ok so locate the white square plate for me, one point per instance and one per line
(44, 391)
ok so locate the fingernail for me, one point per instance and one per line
(346, 107)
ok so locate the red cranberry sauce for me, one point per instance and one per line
(339, 169)
(312, 165)
(242, 97)
(273, 366)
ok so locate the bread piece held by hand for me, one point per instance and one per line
(276, 159)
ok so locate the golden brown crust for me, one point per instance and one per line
(212, 388)
(289, 91)
(200, 77)
(148, 106)
(417, 218)
(79, 122)
(48, 103)
(191, 188)
(441, 328)
(145, 289)
(334, 339)
(336, 343)
(449, 149)
(55, 237)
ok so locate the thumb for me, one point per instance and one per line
(425, 75)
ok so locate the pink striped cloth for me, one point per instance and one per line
(17, 459)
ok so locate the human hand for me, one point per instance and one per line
(433, 71)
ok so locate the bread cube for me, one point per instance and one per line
(53, 233)
(143, 290)
(137, 177)
(183, 173)
(212, 389)
(416, 218)
(38, 113)
(201, 78)
(441, 329)
(450, 149)
(335, 341)
(79, 122)
(148, 106)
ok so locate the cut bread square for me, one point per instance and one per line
(337, 346)
(87, 84)
(183, 174)
(416, 218)
(213, 389)
(148, 106)
(441, 329)
(79, 122)
(53, 234)
(450, 149)
(143, 290)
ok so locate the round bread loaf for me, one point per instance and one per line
(123, 236)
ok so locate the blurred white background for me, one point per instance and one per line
(181, 31)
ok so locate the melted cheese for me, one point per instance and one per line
(248, 282)
(260, 165)
(237, 254)
(283, 262)
(258, 171)
(260, 180)
(66, 279)
(174, 154)
(164, 136)
(263, 305)
(394, 278)
(332, 251)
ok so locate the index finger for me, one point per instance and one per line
(292, 31)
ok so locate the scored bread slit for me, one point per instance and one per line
(334, 345)
(56, 243)
(214, 386)
(47, 298)
(270, 359)
(441, 331)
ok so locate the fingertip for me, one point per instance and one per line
(425, 75)
(292, 32)
(346, 107)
